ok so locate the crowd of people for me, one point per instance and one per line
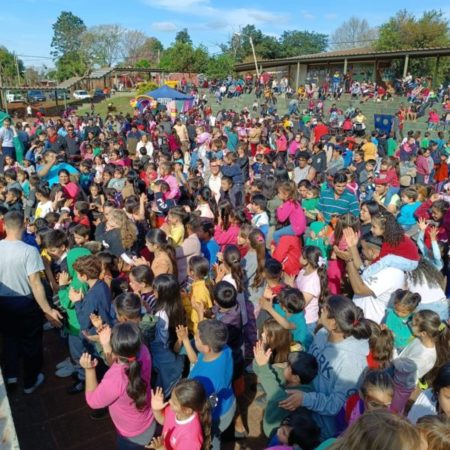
(181, 260)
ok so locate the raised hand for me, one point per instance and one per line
(158, 403)
(182, 333)
(262, 357)
(86, 361)
(350, 237)
(422, 224)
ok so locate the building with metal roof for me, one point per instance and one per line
(364, 62)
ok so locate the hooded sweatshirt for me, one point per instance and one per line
(73, 326)
(340, 367)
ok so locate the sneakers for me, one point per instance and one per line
(65, 368)
(39, 380)
(65, 371)
(66, 362)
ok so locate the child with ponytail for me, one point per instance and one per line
(290, 213)
(431, 347)
(312, 281)
(125, 388)
(228, 224)
(186, 418)
(398, 250)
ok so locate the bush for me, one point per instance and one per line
(145, 87)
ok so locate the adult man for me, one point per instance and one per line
(49, 170)
(338, 200)
(7, 133)
(301, 172)
(72, 142)
(214, 181)
(22, 302)
(373, 295)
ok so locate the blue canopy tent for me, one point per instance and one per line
(165, 95)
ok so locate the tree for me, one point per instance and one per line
(8, 66)
(67, 31)
(66, 43)
(32, 76)
(132, 42)
(405, 31)
(295, 43)
(183, 37)
(102, 44)
(183, 57)
(353, 33)
(220, 66)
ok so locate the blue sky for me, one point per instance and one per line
(26, 25)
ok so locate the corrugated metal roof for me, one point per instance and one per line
(100, 73)
(67, 84)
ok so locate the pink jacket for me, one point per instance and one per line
(294, 212)
(226, 237)
(112, 392)
(174, 192)
(422, 165)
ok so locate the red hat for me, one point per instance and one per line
(379, 181)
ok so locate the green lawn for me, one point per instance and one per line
(122, 103)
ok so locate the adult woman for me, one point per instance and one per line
(164, 260)
(70, 189)
(341, 348)
(368, 210)
(435, 400)
(427, 281)
(120, 233)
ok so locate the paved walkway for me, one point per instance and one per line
(50, 419)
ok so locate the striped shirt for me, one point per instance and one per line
(329, 204)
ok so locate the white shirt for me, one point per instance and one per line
(383, 284)
(423, 406)
(147, 145)
(423, 357)
(214, 183)
(428, 294)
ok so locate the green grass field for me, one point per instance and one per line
(122, 103)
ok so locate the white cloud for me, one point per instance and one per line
(163, 26)
(177, 5)
(331, 16)
(230, 18)
(307, 15)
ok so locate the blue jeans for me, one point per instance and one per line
(285, 231)
(397, 262)
(440, 307)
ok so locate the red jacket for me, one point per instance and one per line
(288, 252)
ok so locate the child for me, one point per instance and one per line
(317, 237)
(299, 372)
(434, 209)
(290, 211)
(23, 178)
(167, 366)
(258, 207)
(311, 202)
(141, 281)
(433, 254)
(431, 346)
(229, 222)
(44, 205)
(397, 250)
(213, 368)
(288, 253)
(288, 312)
(125, 388)
(206, 203)
(210, 248)
(118, 182)
(81, 213)
(81, 234)
(312, 281)
(201, 290)
(96, 198)
(376, 391)
(176, 230)
(398, 318)
(185, 418)
(389, 171)
(13, 200)
(162, 204)
(279, 340)
(406, 217)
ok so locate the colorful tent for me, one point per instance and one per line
(165, 95)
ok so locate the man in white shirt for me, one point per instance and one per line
(215, 179)
(373, 295)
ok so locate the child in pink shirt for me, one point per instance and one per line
(185, 418)
(125, 388)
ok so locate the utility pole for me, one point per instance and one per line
(254, 56)
(17, 68)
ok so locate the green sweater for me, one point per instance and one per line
(274, 386)
(73, 326)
